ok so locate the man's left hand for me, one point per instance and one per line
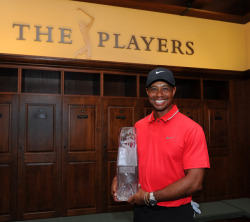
(137, 198)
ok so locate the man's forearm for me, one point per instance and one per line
(184, 187)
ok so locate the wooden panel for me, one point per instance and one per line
(192, 113)
(239, 139)
(217, 179)
(40, 124)
(5, 185)
(216, 127)
(145, 108)
(82, 185)
(82, 191)
(118, 116)
(118, 113)
(5, 122)
(8, 156)
(39, 188)
(247, 149)
(81, 128)
(190, 108)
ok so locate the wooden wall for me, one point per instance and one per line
(60, 121)
(247, 151)
(238, 134)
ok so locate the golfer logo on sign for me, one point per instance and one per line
(84, 28)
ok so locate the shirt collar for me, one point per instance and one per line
(169, 115)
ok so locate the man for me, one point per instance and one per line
(172, 156)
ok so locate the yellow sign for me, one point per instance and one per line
(69, 29)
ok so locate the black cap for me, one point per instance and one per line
(160, 74)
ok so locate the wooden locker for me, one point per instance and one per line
(81, 156)
(216, 127)
(39, 157)
(117, 113)
(8, 156)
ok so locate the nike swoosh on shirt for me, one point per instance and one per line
(169, 138)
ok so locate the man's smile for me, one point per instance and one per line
(159, 102)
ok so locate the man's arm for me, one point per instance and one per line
(187, 185)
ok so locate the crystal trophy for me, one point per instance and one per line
(127, 168)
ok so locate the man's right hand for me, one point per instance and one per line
(114, 189)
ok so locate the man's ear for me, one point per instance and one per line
(174, 90)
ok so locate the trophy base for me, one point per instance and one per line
(127, 182)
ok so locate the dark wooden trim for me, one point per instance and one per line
(247, 74)
(217, 16)
(143, 69)
(172, 9)
(246, 18)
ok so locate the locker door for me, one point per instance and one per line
(117, 113)
(39, 161)
(8, 156)
(81, 156)
(216, 126)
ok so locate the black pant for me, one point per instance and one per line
(183, 213)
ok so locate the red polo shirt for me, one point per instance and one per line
(167, 147)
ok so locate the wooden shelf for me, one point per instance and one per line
(119, 85)
(216, 90)
(80, 83)
(8, 79)
(188, 88)
(41, 81)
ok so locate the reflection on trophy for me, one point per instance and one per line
(127, 169)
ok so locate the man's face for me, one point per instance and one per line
(160, 96)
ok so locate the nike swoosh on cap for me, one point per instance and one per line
(157, 72)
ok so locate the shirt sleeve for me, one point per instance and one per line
(195, 150)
